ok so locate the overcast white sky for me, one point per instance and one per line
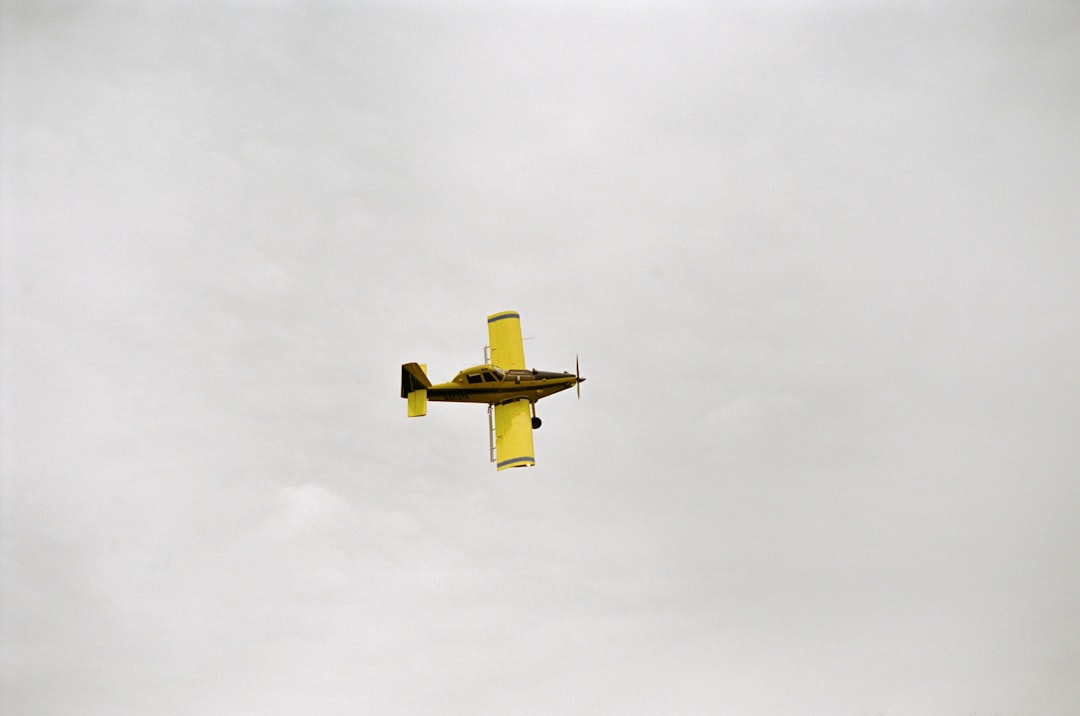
(820, 261)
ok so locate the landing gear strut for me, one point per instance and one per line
(536, 422)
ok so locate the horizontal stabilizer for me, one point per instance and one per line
(418, 403)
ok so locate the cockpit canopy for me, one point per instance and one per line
(480, 374)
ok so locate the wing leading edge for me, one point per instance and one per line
(513, 435)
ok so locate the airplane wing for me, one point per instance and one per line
(504, 337)
(513, 435)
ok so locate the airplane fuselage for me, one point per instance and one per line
(490, 384)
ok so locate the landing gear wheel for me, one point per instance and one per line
(536, 423)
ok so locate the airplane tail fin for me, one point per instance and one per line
(414, 385)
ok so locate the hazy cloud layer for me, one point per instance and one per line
(820, 263)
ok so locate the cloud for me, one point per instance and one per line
(818, 265)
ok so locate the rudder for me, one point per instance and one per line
(414, 385)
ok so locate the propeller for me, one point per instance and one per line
(577, 372)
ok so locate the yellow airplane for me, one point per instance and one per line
(509, 389)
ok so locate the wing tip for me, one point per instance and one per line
(503, 314)
(521, 461)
